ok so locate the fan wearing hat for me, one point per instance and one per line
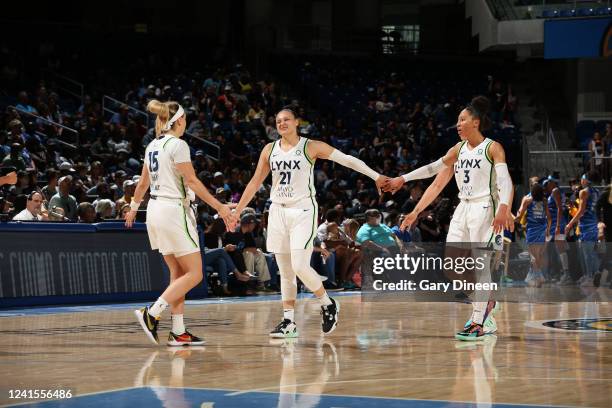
(586, 219)
(171, 225)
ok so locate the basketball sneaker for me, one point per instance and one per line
(329, 316)
(474, 332)
(185, 339)
(285, 329)
(148, 323)
(490, 325)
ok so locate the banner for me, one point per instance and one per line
(578, 38)
(77, 263)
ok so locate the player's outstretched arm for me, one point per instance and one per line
(191, 180)
(426, 171)
(141, 189)
(321, 150)
(583, 196)
(429, 195)
(261, 172)
(504, 185)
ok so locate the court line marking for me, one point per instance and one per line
(48, 310)
(42, 401)
(539, 324)
(237, 392)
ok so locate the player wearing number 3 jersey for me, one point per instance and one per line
(485, 193)
(293, 214)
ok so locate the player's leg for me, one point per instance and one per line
(288, 286)
(479, 217)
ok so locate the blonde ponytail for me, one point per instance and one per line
(163, 110)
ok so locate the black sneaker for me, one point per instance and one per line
(148, 323)
(285, 329)
(185, 339)
(329, 316)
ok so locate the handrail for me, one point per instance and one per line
(559, 151)
(69, 129)
(209, 143)
(120, 103)
(58, 140)
(80, 85)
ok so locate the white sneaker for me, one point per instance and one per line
(285, 329)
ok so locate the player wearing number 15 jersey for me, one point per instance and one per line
(293, 214)
(170, 222)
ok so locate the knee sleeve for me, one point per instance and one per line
(300, 263)
(288, 282)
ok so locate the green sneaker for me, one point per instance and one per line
(474, 332)
(490, 325)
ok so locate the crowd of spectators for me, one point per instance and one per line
(389, 120)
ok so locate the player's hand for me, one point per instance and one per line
(325, 253)
(129, 218)
(394, 185)
(511, 220)
(229, 216)
(567, 229)
(409, 221)
(501, 221)
(381, 181)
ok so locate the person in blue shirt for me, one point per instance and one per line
(538, 227)
(375, 235)
(586, 218)
(556, 207)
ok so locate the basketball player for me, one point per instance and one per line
(292, 222)
(171, 223)
(556, 206)
(586, 218)
(485, 191)
(538, 227)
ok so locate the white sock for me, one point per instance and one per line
(479, 311)
(325, 300)
(564, 264)
(158, 307)
(289, 314)
(178, 327)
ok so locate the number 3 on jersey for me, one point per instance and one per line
(285, 177)
(153, 163)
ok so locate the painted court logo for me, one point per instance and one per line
(597, 324)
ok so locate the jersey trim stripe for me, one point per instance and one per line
(314, 209)
(271, 150)
(487, 152)
(166, 142)
(461, 147)
(185, 226)
(306, 153)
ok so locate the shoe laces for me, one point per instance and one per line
(282, 325)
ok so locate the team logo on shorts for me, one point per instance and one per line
(498, 240)
(596, 324)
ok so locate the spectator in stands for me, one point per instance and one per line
(123, 210)
(24, 103)
(129, 187)
(104, 209)
(33, 210)
(64, 200)
(254, 259)
(15, 159)
(9, 178)
(87, 213)
(376, 236)
(596, 149)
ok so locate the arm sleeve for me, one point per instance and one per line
(424, 172)
(353, 163)
(179, 151)
(504, 183)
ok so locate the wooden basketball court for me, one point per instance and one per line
(382, 354)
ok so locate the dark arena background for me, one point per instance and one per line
(383, 81)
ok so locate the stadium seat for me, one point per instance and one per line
(550, 13)
(602, 11)
(567, 13)
(584, 12)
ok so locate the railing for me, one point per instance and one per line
(53, 123)
(65, 84)
(68, 145)
(210, 144)
(529, 9)
(567, 163)
(112, 105)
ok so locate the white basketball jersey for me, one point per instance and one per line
(161, 156)
(474, 172)
(292, 174)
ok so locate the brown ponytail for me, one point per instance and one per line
(164, 111)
